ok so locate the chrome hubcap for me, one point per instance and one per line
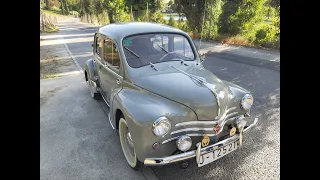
(129, 140)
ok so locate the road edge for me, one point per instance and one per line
(72, 57)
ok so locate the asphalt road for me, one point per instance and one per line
(259, 158)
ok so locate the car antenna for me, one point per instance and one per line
(204, 15)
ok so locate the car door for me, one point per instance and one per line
(110, 70)
(97, 54)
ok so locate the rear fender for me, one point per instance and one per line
(91, 74)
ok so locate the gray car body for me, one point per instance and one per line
(144, 94)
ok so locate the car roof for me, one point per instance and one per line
(123, 29)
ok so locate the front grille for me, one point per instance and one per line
(201, 128)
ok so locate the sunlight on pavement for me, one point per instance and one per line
(73, 40)
(63, 36)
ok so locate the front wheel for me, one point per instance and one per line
(127, 145)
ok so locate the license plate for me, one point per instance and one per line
(217, 154)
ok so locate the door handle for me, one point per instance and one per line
(118, 81)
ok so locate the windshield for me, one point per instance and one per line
(146, 49)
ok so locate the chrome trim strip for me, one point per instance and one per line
(191, 129)
(210, 135)
(109, 117)
(196, 123)
(105, 100)
(192, 154)
(208, 122)
(230, 109)
(226, 112)
(231, 114)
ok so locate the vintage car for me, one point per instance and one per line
(166, 106)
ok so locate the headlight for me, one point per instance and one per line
(161, 126)
(184, 143)
(247, 102)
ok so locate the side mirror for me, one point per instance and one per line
(92, 45)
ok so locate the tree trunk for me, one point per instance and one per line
(47, 4)
(64, 7)
(110, 15)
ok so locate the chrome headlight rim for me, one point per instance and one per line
(158, 122)
(244, 98)
(181, 139)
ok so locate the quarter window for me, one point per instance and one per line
(182, 46)
(110, 53)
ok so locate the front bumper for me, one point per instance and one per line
(192, 154)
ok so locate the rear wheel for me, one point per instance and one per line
(127, 145)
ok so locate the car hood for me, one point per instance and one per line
(177, 86)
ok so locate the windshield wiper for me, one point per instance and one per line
(152, 65)
(163, 49)
(132, 52)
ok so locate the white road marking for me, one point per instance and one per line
(72, 57)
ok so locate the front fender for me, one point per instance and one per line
(90, 69)
(141, 109)
(91, 75)
(236, 94)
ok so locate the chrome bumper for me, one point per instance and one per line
(192, 154)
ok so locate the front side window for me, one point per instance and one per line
(110, 53)
(141, 50)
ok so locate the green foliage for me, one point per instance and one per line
(193, 9)
(47, 4)
(172, 22)
(143, 16)
(64, 7)
(213, 12)
(250, 22)
(249, 13)
(158, 17)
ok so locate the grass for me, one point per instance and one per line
(50, 30)
(235, 40)
(243, 41)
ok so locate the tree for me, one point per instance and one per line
(64, 7)
(47, 4)
(239, 16)
(193, 9)
(172, 22)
